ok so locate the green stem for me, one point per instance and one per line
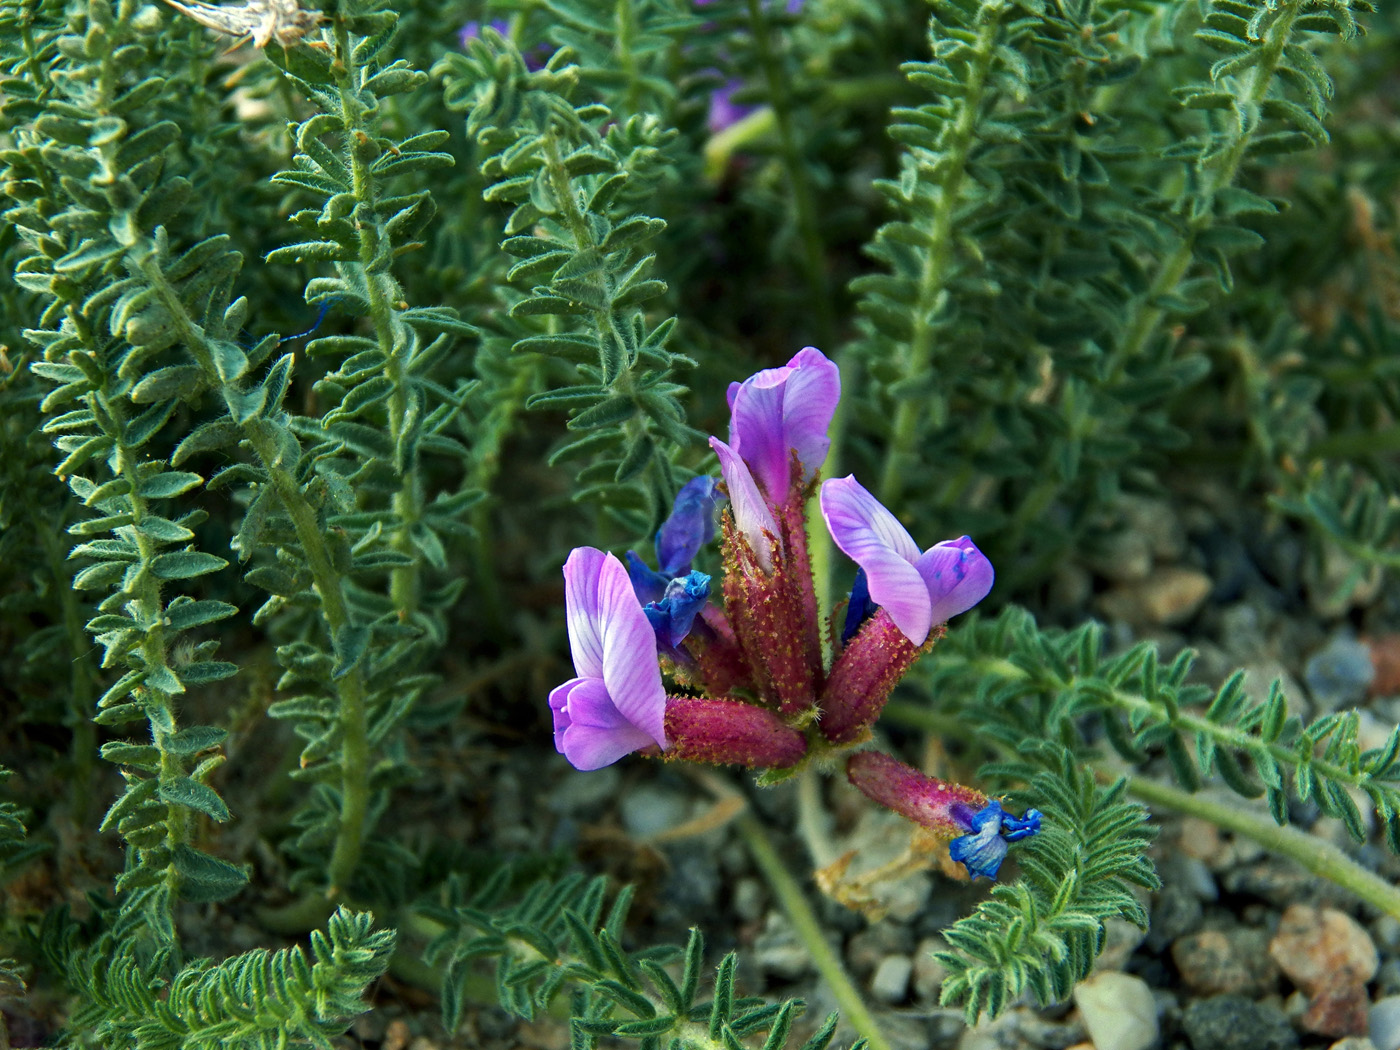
(1315, 854)
(81, 683)
(405, 583)
(350, 688)
(938, 259)
(1220, 174)
(808, 928)
(804, 206)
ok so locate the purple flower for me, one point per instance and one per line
(673, 597)
(752, 516)
(617, 704)
(916, 588)
(724, 111)
(781, 411)
(472, 30)
(535, 58)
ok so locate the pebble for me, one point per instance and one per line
(1320, 948)
(1340, 673)
(1353, 1042)
(1232, 1022)
(1337, 583)
(929, 973)
(749, 899)
(1118, 1010)
(890, 984)
(1217, 962)
(1175, 913)
(1169, 596)
(777, 950)
(1122, 557)
(1120, 940)
(584, 792)
(1385, 663)
(1385, 1023)
(649, 809)
(1339, 1010)
(866, 949)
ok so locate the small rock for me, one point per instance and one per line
(1385, 931)
(1385, 664)
(585, 792)
(890, 984)
(396, 1035)
(1052, 1035)
(945, 1028)
(1259, 682)
(929, 973)
(649, 809)
(749, 899)
(1232, 1022)
(1175, 913)
(1122, 557)
(1338, 1010)
(866, 949)
(1337, 583)
(1001, 1034)
(1353, 1043)
(1217, 962)
(1118, 1010)
(1322, 948)
(1169, 596)
(1385, 1023)
(1120, 940)
(1279, 884)
(778, 951)
(1339, 674)
(1200, 839)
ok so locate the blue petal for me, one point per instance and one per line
(981, 853)
(1014, 829)
(690, 526)
(673, 615)
(860, 609)
(992, 831)
(649, 585)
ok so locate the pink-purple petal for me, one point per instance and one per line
(809, 405)
(588, 729)
(756, 430)
(630, 669)
(957, 575)
(779, 410)
(873, 538)
(751, 514)
(581, 609)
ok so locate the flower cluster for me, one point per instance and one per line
(757, 690)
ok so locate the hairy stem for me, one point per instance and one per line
(1147, 315)
(350, 688)
(405, 582)
(1315, 854)
(939, 256)
(809, 931)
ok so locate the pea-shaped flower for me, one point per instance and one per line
(617, 703)
(917, 589)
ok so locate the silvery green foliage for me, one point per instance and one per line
(558, 937)
(1076, 219)
(1077, 184)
